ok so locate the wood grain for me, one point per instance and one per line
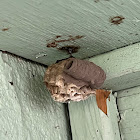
(122, 67)
(89, 123)
(32, 24)
(128, 105)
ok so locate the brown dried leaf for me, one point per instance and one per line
(101, 96)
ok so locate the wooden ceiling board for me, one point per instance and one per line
(95, 26)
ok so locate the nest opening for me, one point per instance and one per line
(68, 66)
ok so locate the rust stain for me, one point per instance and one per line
(70, 49)
(5, 29)
(69, 39)
(52, 44)
(55, 42)
(117, 20)
(58, 36)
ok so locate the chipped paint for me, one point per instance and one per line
(41, 54)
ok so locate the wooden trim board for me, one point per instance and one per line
(122, 67)
(90, 123)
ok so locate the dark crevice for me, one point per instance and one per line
(119, 117)
(68, 121)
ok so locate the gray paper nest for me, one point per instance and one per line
(73, 79)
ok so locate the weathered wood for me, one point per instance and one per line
(26, 27)
(129, 108)
(122, 67)
(90, 123)
(27, 112)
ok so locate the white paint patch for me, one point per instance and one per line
(41, 54)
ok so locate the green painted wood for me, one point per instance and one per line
(26, 25)
(90, 123)
(27, 112)
(128, 105)
(122, 67)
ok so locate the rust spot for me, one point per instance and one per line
(52, 44)
(69, 49)
(69, 39)
(5, 29)
(55, 42)
(117, 20)
(58, 36)
(11, 83)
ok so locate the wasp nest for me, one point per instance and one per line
(73, 79)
